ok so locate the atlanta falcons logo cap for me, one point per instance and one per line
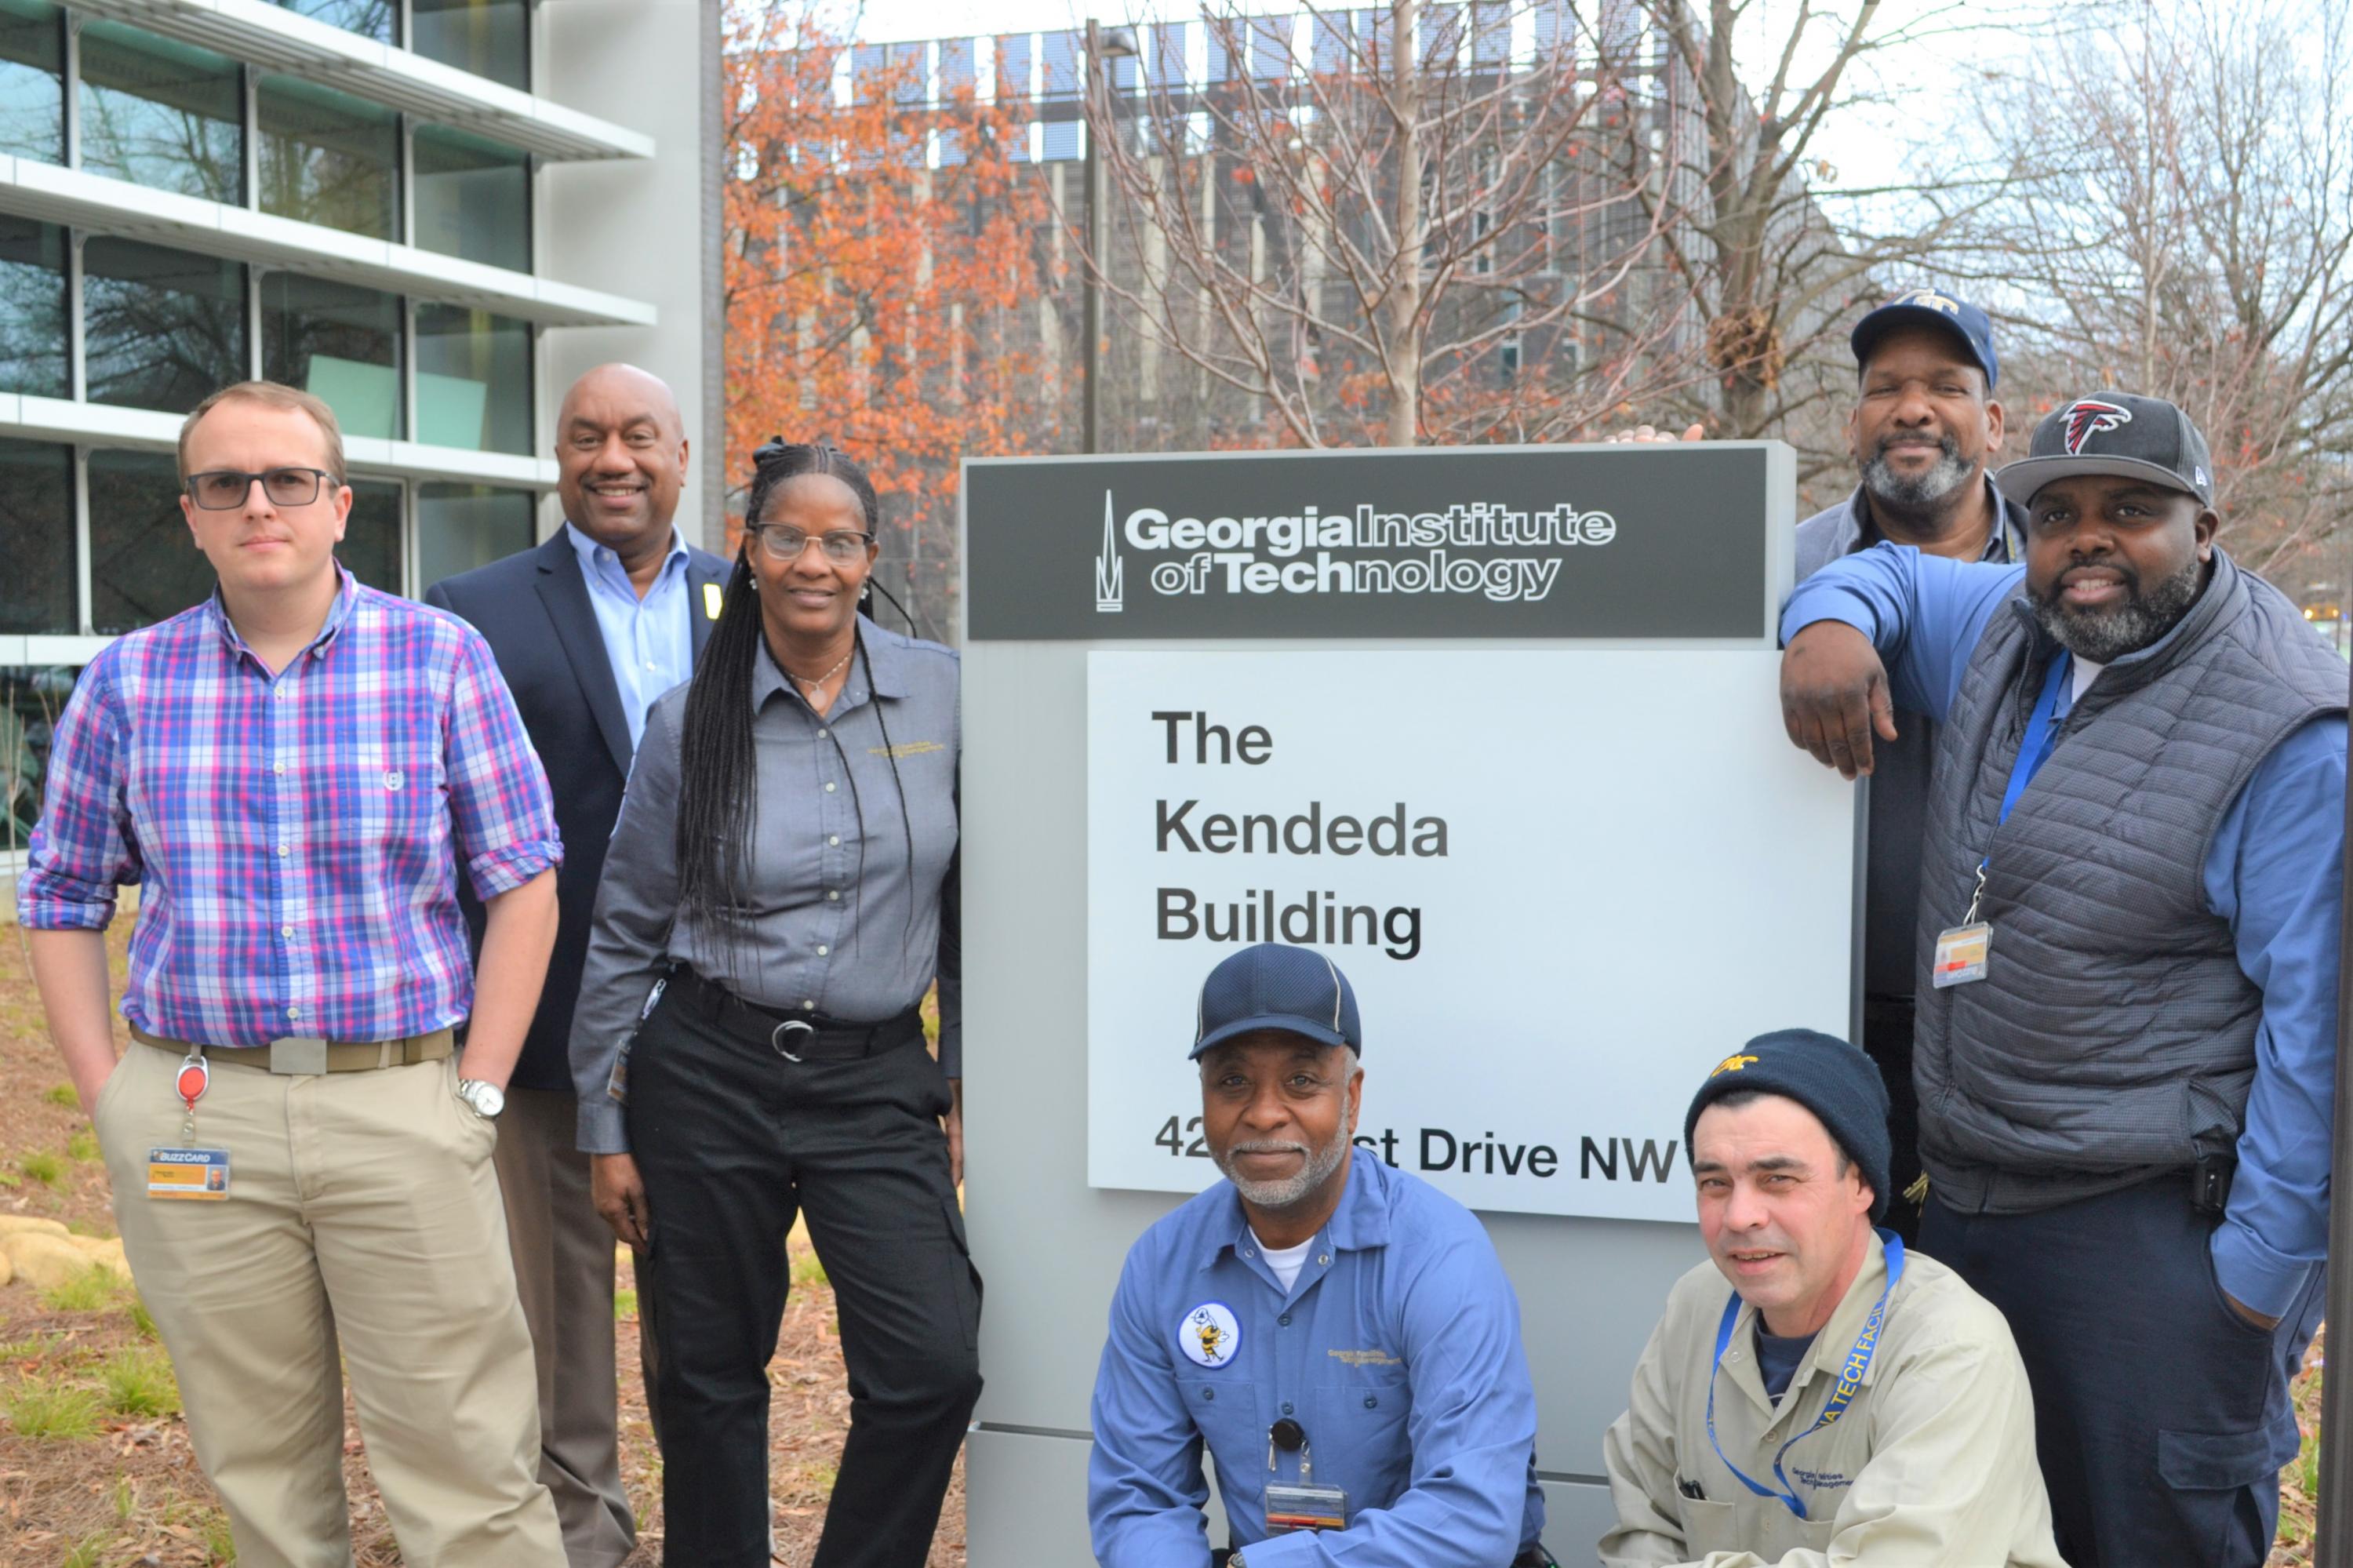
(2116, 434)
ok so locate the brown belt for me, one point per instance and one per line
(312, 1054)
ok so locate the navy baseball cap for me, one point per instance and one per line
(1275, 986)
(2118, 434)
(1931, 307)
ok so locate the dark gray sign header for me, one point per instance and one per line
(1616, 542)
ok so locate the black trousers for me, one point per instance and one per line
(731, 1140)
(2162, 1417)
(1887, 1040)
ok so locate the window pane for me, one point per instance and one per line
(32, 81)
(368, 18)
(488, 38)
(143, 567)
(338, 341)
(161, 328)
(161, 113)
(329, 158)
(36, 538)
(461, 527)
(473, 380)
(30, 702)
(371, 546)
(473, 199)
(33, 309)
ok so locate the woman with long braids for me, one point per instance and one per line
(780, 891)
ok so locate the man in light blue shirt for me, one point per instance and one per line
(648, 641)
(2129, 924)
(1340, 1336)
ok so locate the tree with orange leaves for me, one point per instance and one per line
(879, 256)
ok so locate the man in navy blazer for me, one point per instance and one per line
(588, 629)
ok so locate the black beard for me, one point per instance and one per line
(1918, 494)
(2104, 636)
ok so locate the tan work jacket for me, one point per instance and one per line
(1932, 1462)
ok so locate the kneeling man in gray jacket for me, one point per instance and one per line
(1844, 1401)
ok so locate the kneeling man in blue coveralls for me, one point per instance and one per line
(1340, 1336)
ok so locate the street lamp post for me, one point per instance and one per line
(1101, 43)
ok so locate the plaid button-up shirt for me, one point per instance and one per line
(296, 837)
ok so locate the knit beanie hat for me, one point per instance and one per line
(1828, 1077)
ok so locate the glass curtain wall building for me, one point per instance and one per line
(348, 196)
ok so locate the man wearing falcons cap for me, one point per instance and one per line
(2128, 957)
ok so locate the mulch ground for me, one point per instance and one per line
(124, 1489)
(120, 1487)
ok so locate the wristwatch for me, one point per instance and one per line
(484, 1099)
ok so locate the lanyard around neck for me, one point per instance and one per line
(2042, 735)
(1850, 1384)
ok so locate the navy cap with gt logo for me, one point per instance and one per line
(1276, 986)
(1931, 307)
(2118, 434)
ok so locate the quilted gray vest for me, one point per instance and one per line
(2112, 1037)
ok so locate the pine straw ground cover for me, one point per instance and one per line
(95, 1467)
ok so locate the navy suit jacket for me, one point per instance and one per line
(534, 610)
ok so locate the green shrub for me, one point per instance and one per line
(39, 1409)
(95, 1286)
(43, 1167)
(82, 1146)
(61, 1095)
(139, 1381)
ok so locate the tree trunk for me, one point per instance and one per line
(1405, 326)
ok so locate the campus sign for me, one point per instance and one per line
(1497, 542)
(1568, 858)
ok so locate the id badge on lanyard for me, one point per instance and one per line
(1964, 951)
(1850, 1384)
(184, 1172)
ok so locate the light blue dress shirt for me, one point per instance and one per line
(649, 642)
(2271, 873)
(1398, 1349)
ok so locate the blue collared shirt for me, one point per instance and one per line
(2272, 873)
(649, 642)
(1398, 1349)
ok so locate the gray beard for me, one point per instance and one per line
(2102, 637)
(1279, 1195)
(1917, 495)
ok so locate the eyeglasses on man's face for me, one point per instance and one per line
(224, 490)
(783, 544)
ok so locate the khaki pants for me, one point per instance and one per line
(564, 1270)
(363, 1215)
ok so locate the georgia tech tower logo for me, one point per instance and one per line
(1471, 548)
(1110, 580)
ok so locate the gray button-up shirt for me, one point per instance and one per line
(841, 924)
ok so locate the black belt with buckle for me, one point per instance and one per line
(798, 1037)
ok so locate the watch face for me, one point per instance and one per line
(485, 1098)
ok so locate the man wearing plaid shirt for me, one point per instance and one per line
(296, 772)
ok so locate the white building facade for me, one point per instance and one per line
(432, 213)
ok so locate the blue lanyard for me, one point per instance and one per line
(1850, 1384)
(2042, 735)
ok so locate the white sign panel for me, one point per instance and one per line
(1564, 885)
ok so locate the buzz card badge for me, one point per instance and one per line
(712, 600)
(1300, 1505)
(1962, 952)
(1210, 1336)
(184, 1173)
